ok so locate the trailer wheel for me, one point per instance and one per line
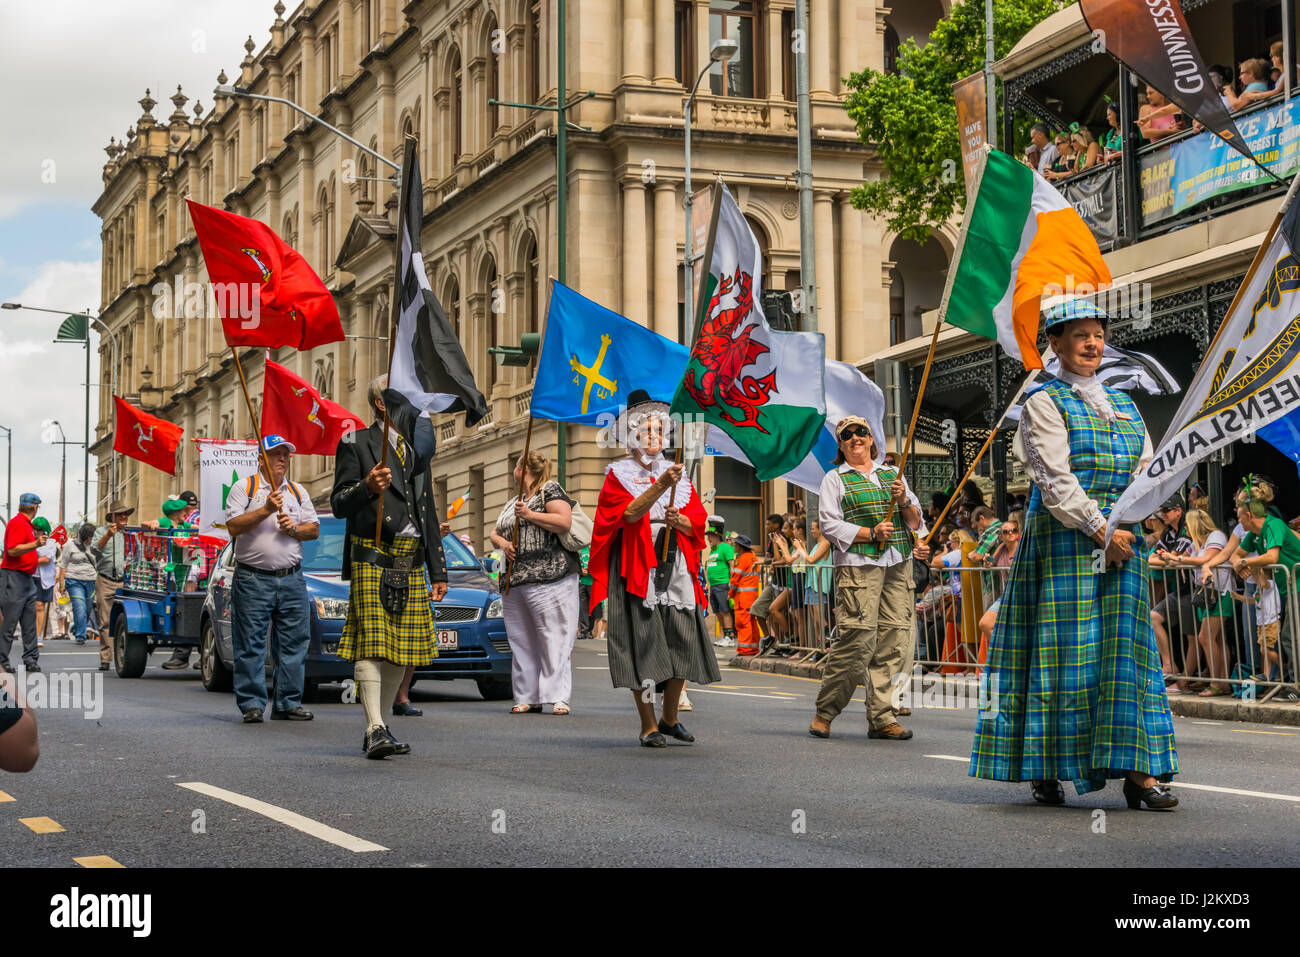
(130, 652)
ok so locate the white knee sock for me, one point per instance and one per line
(368, 677)
(391, 677)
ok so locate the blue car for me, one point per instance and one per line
(471, 630)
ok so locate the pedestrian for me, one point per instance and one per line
(1073, 658)
(585, 617)
(45, 574)
(721, 556)
(390, 621)
(1174, 617)
(776, 558)
(743, 592)
(540, 585)
(657, 639)
(875, 604)
(17, 584)
(109, 549)
(269, 517)
(77, 577)
(1269, 545)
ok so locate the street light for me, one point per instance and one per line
(9, 480)
(63, 473)
(720, 52)
(112, 339)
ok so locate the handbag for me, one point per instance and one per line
(578, 536)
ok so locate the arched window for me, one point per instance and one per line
(532, 269)
(454, 113)
(323, 235)
(451, 305)
(891, 49)
(493, 91)
(534, 66)
(492, 318)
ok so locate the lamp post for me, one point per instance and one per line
(9, 475)
(720, 52)
(112, 338)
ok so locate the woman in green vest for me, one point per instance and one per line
(871, 518)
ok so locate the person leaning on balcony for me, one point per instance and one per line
(1256, 84)
(1157, 121)
(1086, 148)
(872, 519)
(1072, 659)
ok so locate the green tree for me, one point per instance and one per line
(910, 117)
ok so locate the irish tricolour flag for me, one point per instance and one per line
(763, 388)
(1019, 238)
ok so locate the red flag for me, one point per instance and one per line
(60, 534)
(292, 408)
(266, 292)
(145, 437)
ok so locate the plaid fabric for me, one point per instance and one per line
(371, 632)
(988, 542)
(867, 505)
(1073, 659)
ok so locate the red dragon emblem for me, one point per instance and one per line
(724, 354)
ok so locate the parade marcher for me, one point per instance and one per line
(17, 586)
(744, 592)
(77, 577)
(109, 549)
(541, 583)
(1073, 658)
(875, 605)
(45, 574)
(269, 517)
(657, 639)
(390, 622)
(180, 514)
(718, 571)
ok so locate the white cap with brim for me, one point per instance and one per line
(273, 442)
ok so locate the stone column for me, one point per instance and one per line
(853, 341)
(634, 17)
(636, 296)
(664, 40)
(665, 260)
(848, 27)
(819, 52)
(824, 242)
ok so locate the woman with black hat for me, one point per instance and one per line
(657, 638)
(1073, 661)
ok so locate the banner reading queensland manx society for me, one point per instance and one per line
(222, 464)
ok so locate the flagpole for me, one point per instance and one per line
(394, 314)
(257, 425)
(960, 485)
(715, 200)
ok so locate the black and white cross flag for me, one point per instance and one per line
(1119, 369)
(429, 369)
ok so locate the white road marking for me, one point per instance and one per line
(294, 820)
(1177, 784)
(740, 694)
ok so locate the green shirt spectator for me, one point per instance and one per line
(584, 555)
(718, 569)
(1275, 534)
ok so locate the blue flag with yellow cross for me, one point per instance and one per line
(592, 359)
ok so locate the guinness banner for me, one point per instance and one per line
(1151, 38)
(972, 115)
(1092, 195)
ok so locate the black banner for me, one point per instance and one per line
(1093, 196)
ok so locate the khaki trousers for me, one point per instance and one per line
(105, 590)
(875, 616)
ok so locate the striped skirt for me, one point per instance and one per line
(371, 632)
(654, 645)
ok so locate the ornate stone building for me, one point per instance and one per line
(380, 68)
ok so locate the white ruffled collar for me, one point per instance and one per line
(1091, 393)
(637, 478)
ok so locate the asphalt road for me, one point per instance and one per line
(139, 786)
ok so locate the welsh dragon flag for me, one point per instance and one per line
(764, 389)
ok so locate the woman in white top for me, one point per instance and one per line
(1210, 638)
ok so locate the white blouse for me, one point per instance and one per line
(1042, 445)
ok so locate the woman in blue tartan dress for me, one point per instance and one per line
(1076, 689)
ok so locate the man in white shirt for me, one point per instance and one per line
(872, 520)
(269, 518)
(1047, 151)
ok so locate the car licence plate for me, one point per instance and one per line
(448, 641)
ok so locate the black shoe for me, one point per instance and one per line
(401, 746)
(677, 731)
(33, 669)
(403, 709)
(379, 744)
(103, 666)
(654, 740)
(1049, 792)
(176, 664)
(253, 716)
(293, 714)
(1158, 798)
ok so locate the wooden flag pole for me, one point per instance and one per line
(504, 583)
(395, 312)
(257, 425)
(960, 485)
(700, 295)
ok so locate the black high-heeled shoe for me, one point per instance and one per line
(1049, 792)
(1158, 798)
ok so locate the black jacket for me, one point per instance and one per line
(410, 495)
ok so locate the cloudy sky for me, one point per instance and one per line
(71, 72)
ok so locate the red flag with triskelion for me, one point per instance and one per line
(145, 437)
(292, 408)
(266, 293)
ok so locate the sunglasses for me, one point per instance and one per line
(1010, 531)
(858, 431)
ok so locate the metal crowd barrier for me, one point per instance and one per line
(1207, 637)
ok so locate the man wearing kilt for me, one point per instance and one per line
(875, 604)
(1073, 667)
(390, 623)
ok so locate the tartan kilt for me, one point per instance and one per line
(371, 632)
(1073, 669)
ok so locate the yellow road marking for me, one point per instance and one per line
(1289, 734)
(42, 825)
(6, 798)
(100, 860)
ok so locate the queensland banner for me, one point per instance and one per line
(222, 465)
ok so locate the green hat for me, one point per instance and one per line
(174, 506)
(41, 524)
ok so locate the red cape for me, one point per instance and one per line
(638, 554)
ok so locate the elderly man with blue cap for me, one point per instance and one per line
(269, 517)
(17, 586)
(1072, 662)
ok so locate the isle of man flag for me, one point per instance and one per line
(764, 389)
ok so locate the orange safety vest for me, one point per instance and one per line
(745, 587)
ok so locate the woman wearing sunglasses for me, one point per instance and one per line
(871, 518)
